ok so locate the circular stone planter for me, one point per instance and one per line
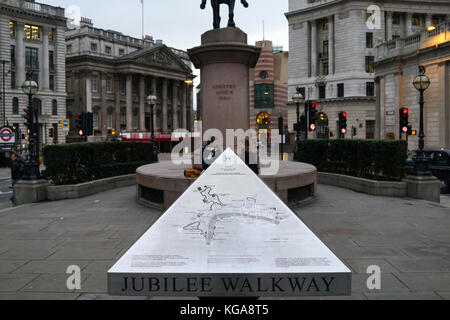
(159, 185)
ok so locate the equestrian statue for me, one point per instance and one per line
(216, 9)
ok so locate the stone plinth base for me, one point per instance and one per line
(30, 191)
(159, 185)
(424, 187)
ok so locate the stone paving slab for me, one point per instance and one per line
(407, 239)
(404, 296)
(54, 283)
(49, 266)
(15, 282)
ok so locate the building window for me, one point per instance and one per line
(340, 90)
(123, 85)
(121, 52)
(94, 84)
(325, 24)
(51, 80)
(322, 92)
(123, 121)
(69, 48)
(396, 19)
(370, 89)
(395, 36)
(108, 50)
(109, 121)
(51, 60)
(264, 96)
(369, 40)
(13, 79)
(415, 20)
(434, 20)
(13, 55)
(325, 47)
(302, 91)
(32, 32)
(326, 68)
(15, 106)
(370, 60)
(109, 84)
(95, 120)
(51, 35)
(12, 29)
(94, 47)
(54, 107)
(32, 58)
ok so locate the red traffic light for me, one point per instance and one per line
(405, 110)
(345, 114)
(313, 127)
(315, 105)
(77, 115)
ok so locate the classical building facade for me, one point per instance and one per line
(333, 48)
(396, 67)
(111, 75)
(268, 86)
(32, 40)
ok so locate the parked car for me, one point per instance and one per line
(440, 164)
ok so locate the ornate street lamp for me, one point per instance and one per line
(298, 99)
(151, 100)
(421, 162)
(31, 171)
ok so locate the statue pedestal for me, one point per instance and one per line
(225, 59)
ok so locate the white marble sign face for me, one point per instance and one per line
(229, 235)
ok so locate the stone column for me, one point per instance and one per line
(175, 86)
(428, 21)
(331, 60)
(104, 105)
(129, 103)
(142, 101)
(20, 54)
(88, 76)
(45, 75)
(408, 24)
(117, 103)
(155, 92)
(164, 105)
(388, 26)
(314, 48)
(184, 96)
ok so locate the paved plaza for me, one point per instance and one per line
(408, 239)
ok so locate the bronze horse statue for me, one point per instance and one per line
(216, 9)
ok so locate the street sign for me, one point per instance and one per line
(229, 235)
(66, 125)
(7, 136)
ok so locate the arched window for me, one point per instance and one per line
(15, 106)
(54, 107)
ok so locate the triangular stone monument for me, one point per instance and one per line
(229, 235)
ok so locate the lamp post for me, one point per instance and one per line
(421, 162)
(188, 83)
(298, 98)
(31, 171)
(151, 100)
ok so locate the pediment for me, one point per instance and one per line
(162, 58)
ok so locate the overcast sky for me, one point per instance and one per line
(179, 23)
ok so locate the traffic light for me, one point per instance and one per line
(354, 131)
(343, 122)
(404, 121)
(313, 106)
(79, 122)
(281, 125)
(411, 132)
(89, 124)
(51, 132)
(28, 117)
